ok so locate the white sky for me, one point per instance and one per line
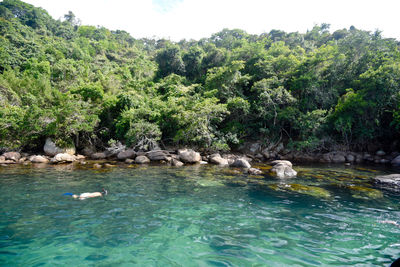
(194, 19)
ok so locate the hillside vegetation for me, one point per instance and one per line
(92, 86)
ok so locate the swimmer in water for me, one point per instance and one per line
(88, 195)
(390, 222)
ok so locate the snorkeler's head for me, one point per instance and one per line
(104, 192)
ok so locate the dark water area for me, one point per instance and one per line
(197, 216)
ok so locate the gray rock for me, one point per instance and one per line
(63, 157)
(350, 158)
(158, 155)
(87, 151)
(114, 149)
(15, 156)
(285, 162)
(384, 161)
(217, 159)
(129, 161)
(254, 171)
(38, 159)
(189, 156)
(337, 157)
(283, 169)
(380, 153)
(396, 161)
(50, 149)
(127, 154)
(176, 163)
(142, 160)
(241, 163)
(254, 148)
(279, 148)
(98, 155)
(391, 181)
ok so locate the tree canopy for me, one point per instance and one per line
(89, 85)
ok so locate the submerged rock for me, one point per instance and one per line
(303, 189)
(391, 181)
(365, 192)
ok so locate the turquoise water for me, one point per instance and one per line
(195, 216)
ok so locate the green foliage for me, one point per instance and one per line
(76, 82)
(142, 132)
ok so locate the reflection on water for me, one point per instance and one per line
(195, 216)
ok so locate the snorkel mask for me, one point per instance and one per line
(104, 192)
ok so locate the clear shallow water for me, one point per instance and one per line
(195, 216)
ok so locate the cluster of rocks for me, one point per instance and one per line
(278, 151)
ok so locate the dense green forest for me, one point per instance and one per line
(88, 85)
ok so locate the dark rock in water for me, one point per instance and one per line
(241, 163)
(391, 181)
(15, 156)
(95, 257)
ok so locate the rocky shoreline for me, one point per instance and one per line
(279, 158)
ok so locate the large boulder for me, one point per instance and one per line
(283, 169)
(396, 161)
(142, 160)
(63, 157)
(391, 181)
(38, 159)
(15, 156)
(50, 149)
(241, 163)
(127, 154)
(158, 155)
(217, 159)
(189, 156)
